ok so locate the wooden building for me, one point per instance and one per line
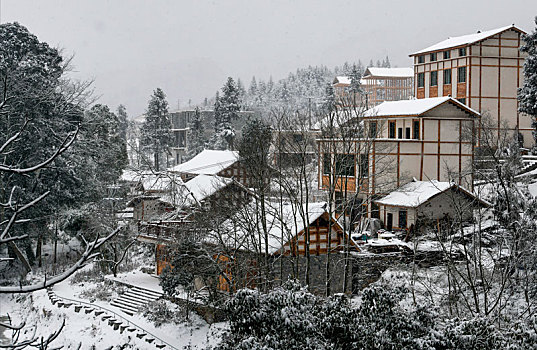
(401, 140)
(377, 85)
(421, 202)
(212, 162)
(482, 70)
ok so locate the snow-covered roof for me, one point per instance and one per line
(285, 221)
(415, 193)
(412, 107)
(208, 162)
(196, 190)
(341, 79)
(465, 39)
(160, 182)
(405, 72)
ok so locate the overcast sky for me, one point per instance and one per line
(188, 48)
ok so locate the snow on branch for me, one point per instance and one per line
(86, 257)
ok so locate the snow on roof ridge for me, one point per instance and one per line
(464, 39)
(412, 107)
(390, 72)
(208, 162)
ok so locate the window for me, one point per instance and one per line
(462, 100)
(407, 133)
(391, 130)
(400, 133)
(298, 138)
(447, 54)
(345, 164)
(326, 164)
(421, 79)
(433, 57)
(462, 51)
(434, 78)
(402, 218)
(447, 76)
(421, 59)
(461, 75)
(416, 129)
(373, 130)
(364, 165)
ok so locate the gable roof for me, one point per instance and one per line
(414, 107)
(284, 222)
(196, 190)
(416, 193)
(405, 72)
(465, 39)
(341, 79)
(208, 162)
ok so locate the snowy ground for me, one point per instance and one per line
(89, 330)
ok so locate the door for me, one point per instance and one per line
(402, 219)
(389, 225)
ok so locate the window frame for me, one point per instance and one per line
(462, 51)
(463, 75)
(327, 163)
(433, 76)
(400, 133)
(373, 129)
(447, 54)
(421, 59)
(342, 165)
(416, 130)
(421, 80)
(447, 75)
(433, 57)
(392, 132)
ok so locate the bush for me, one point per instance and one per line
(163, 311)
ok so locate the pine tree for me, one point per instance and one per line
(370, 64)
(123, 119)
(252, 90)
(527, 95)
(196, 141)
(226, 110)
(156, 128)
(386, 63)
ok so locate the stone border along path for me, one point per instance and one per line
(118, 322)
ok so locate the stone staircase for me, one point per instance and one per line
(134, 299)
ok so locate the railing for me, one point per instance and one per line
(129, 322)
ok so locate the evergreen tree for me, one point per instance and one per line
(252, 90)
(196, 141)
(386, 63)
(156, 128)
(123, 119)
(527, 95)
(226, 110)
(370, 64)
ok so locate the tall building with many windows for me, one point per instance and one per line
(483, 71)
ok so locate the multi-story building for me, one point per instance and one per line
(180, 121)
(423, 139)
(377, 85)
(483, 71)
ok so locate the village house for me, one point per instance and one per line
(421, 202)
(481, 70)
(212, 162)
(377, 85)
(241, 239)
(396, 142)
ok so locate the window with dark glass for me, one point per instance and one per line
(364, 165)
(461, 74)
(447, 54)
(433, 57)
(447, 76)
(462, 51)
(400, 133)
(421, 59)
(462, 100)
(407, 133)
(421, 79)
(416, 129)
(373, 129)
(434, 78)
(326, 164)
(391, 130)
(345, 164)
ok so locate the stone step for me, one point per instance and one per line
(78, 308)
(140, 295)
(99, 312)
(150, 340)
(160, 346)
(141, 335)
(148, 292)
(123, 306)
(130, 299)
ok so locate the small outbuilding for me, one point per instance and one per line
(423, 201)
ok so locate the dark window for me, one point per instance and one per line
(462, 51)
(407, 133)
(447, 54)
(298, 138)
(326, 164)
(461, 74)
(375, 211)
(402, 218)
(433, 57)
(373, 130)
(421, 59)
(447, 76)
(345, 164)
(462, 100)
(434, 78)
(364, 165)
(421, 79)
(400, 133)
(416, 126)
(391, 130)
